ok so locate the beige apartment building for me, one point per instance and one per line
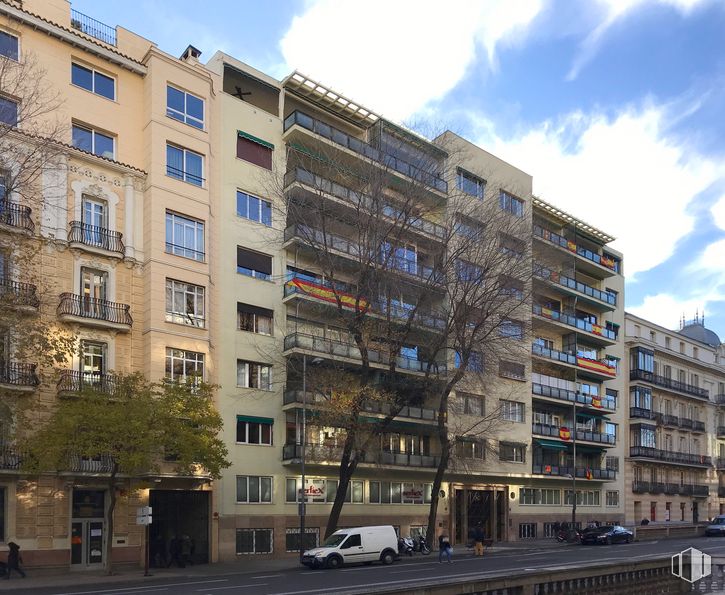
(123, 230)
(676, 449)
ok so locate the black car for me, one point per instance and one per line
(609, 534)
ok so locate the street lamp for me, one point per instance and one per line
(573, 474)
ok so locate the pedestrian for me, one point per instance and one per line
(471, 538)
(557, 528)
(444, 547)
(479, 536)
(14, 560)
(186, 551)
(175, 552)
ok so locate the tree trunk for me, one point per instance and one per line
(442, 466)
(109, 518)
(347, 469)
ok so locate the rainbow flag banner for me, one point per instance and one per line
(596, 366)
(326, 294)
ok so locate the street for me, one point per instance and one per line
(414, 571)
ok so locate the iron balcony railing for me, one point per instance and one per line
(672, 488)
(18, 374)
(669, 456)
(92, 27)
(641, 413)
(720, 463)
(721, 492)
(720, 431)
(698, 426)
(665, 382)
(556, 277)
(543, 390)
(316, 452)
(700, 490)
(553, 354)
(74, 381)
(10, 457)
(348, 350)
(359, 199)
(640, 487)
(18, 293)
(16, 215)
(719, 399)
(98, 237)
(362, 148)
(573, 321)
(686, 423)
(94, 308)
(555, 238)
(546, 430)
(80, 464)
(583, 472)
(668, 420)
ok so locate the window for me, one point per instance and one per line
(385, 492)
(527, 530)
(511, 246)
(470, 227)
(93, 359)
(9, 46)
(254, 319)
(511, 329)
(511, 287)
(469, 448)
(612, 463)
(473, 404)
(182, 364)
(319, 491)
(668, 343)
(515, 453)
(93, 81)
(642, 359)
(253, 208)
(583, 498)
(468, 271)
(510, 203)
(544, 343)
(512, 411)
(254, 264)
(254, 375)
(254, 430)
(3, 185)
(475, 361)
(254, 541)
(92, 141)
(612, 498)
(184, 107)
(641, 397)
(470, 184)
(292, 538)
(512, 370)
(255, 150)
(2, 514)
(253, 489)
(550, 497)
(8, 111)
(184, 236)
(184, 165)
(184, 303)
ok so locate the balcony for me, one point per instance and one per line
(10, 458)
(719, 399)
(96, 239)
(686, 423)
(668, 420)
(581, 472)
(19, 295)
(672, 488)
(581, 435)
(15, 376)
(364, 150)
(720, 463)
(700, 491)
(16, 216)
(698, 426)
(569, 396)
(605, 265)
(721, 431)
(668, 383)
(377, 358)
(591, 294)
(597, 332)
(80, 464)
(316, 453)
(640, 413)
(94, 312)
(601, 369)
(640, 487)
(359, 200)
(721, 492)
(553, 354)
(92, 27)
(73, 382)
(317, 240)
(678, 458)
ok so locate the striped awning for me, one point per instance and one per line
(255, 139)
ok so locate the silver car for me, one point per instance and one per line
(717, 527)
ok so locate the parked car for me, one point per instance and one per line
(359, 544)
(608, 534)
(717, 527)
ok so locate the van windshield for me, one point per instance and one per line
(334, 540)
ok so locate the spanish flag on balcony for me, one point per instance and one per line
(589, 474)
(596, 366)
(571, 245)
(326, 294)
(547, 468)
(597, 329)
(564, 433)
(597, 402)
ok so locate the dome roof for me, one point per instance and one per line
(698, 332)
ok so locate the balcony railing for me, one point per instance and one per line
(553, 392)
(19, 294)
(553, 354)
(670, 457)
(316, 452)
(360, 200)
(721, 492)
(348, 350)
(98, 237)
(325, 241)
(719, 399)
(18, 374)
(641, 413)
(698, 426)
(720, 463)
(721, 431)
(16, 215)
(560, 279)
(561, 241)
(573, 321)
(94, 308)
(583, 472)
(91, 465)
(672, 488)
(10, 457)
(700, 490)
(686, 423)
(590, 365)
(73, 382)
(640, 487)
(92, 27)
(545, 430)
(668, 420)
(362, 148)
(665, 382)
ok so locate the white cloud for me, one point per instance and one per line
(396, 56)
(622, 175)
(667, 310)
(718, 213)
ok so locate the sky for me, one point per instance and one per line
(615, 107)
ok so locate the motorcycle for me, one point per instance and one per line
(419, 545)
(568, 535)
(405, 546)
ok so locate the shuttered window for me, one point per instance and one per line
(254, 150)
(254, 264)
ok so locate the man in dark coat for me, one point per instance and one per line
(14, 560)
(479, 536)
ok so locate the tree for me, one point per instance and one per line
(136, 431)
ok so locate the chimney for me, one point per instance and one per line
(191, 54)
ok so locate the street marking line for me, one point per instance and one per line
(267, 576)
(128, 589)
(231, 587)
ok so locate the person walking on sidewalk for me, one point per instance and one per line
(444, 547)
(14, 560)
(479, 536)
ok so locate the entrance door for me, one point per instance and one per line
(94, 217)
(179, 513)
(87, 528)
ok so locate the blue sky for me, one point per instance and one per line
(616, 107)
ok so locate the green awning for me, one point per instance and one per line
(256, 420)
(552, 444)
(254, 139)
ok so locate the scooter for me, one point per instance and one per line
(405, 546)
(567, 535)
(419, 545)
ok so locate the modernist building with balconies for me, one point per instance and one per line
(674, 449)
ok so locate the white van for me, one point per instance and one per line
(349, 546)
